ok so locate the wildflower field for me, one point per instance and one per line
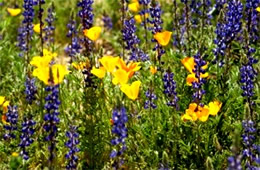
(129, 84)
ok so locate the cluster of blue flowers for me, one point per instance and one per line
(11, 119)
(156, 22)
(144, 2)
(49, 28)
(195, 9)
(219, 4)
(72, 143)
(132, 41)
(251, 149)
(86, 13)
(252, 19)
(87, 18)
(248, 75)
(228, 30)
(30, 90)
(107, 22)
(26, 140)
(74, 47)
(184, 24)
(25, 31)
(234, 163)
(198, 70)
(119, 129)
(149, 103)
(170, 89)
(51, 117)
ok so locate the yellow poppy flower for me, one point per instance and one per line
(99, 72)
(93, 33)
(14, 11)
(139, 18)
(120, 77)
(131, 68)
(191, 78)
(5, 106)
(153, 70)
(109, 63)
(134, 7)
(43, 61)
(79, 66)
(4, 120)
(37, 28)
(4, 103)
(203, 113)
(186, 117)
(2, 100)
(47, 53)
(258, 9)
(191, 111)
(214, 107)
(163, 38)
(132, 90)
(42, 73)
(59, 71)
(189, 64)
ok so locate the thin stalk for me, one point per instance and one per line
(41, 25)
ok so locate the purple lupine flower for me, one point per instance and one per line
(219, 4)
(72, 143)
(170, 89)
(11, 119)
(251, 149)
(234, 163)
(26, 137)
(49, 28)
(86, 13)
(149, 103)
(74, 47)
(87, 18)
(132, 41)
(156, 22)
(129, 35)
(51, 117)
(248, 74)
(119, 129)
(195, 9)
(252, 19)
(198, 70)
(107, 22)
(30, 90)
(184, 25)
(25, 31)
(229, 29)
(144, 2)
(163, 167)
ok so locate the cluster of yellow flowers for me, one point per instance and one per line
(189, 64)
(121, 73)
(134, 6)
(93, 33)
(50, 74)
(14, 11)
(4, 104)
(195, 111)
